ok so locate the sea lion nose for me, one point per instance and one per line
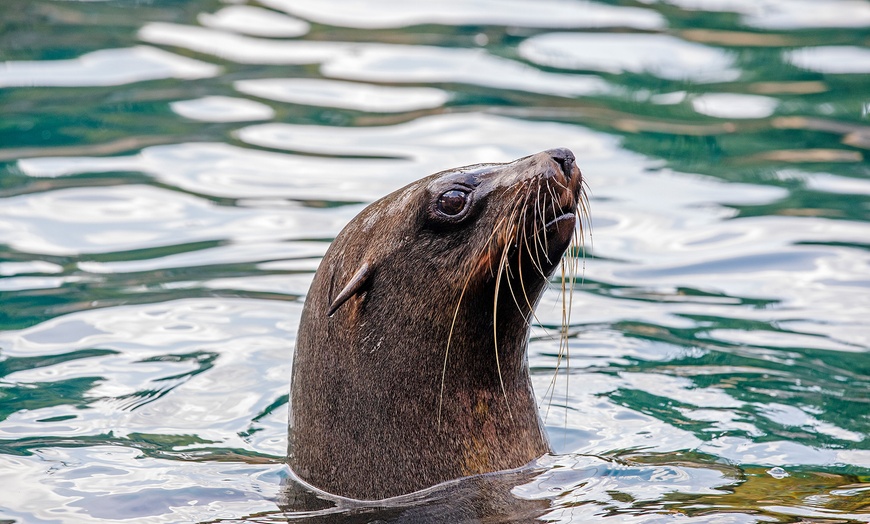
(565, 158)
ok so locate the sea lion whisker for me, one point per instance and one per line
(503, 264)
(513, 294)
(563, 335)
(551, 388)
(495, 332)
(491, 243)
(529, 303)
(533, 258)
(517, 213)
(567, 303)
(522, 239)
(487, 247)
(534, 254)
(585, 206)
(447, 350)
(552, 200)
(577, 242)
(536, 241)
(520, 231)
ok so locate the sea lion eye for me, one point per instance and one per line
(452, 202)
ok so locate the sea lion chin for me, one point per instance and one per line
(410, 366)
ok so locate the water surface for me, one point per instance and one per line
(172, 172)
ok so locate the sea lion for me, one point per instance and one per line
(410, 366)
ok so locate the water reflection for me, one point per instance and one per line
(254, 21)
(106, 67)
(224, 170)
(794, 14)
(348, 95)
(832, 59)
(239, 48)
(438, 142)
(377, 62)
(222, 109)
(163, 207)
(521, 13)
(728, 105)
(660, 55)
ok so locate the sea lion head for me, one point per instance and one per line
(410, 364)
(475, 222)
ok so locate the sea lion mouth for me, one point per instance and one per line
(552, 224)
(554, 194)
(559, 233)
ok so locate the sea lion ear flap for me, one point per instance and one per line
(352, 288)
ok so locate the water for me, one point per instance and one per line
(171, 172)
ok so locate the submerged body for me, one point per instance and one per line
(410, 366)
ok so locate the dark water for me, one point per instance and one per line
(171, 172)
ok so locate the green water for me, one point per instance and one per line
(171, 173)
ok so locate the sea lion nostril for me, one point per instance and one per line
(565, 158)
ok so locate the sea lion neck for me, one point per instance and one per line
(410, 366)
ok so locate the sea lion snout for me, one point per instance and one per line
(565, 158)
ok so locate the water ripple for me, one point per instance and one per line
(377, 62)
(106, 67)
(155, 253)
(222, 109)
(223, 170)
(794, 14)
(254, 21)
(664, 56)
(832, 59)
(349, 95)
(523, 13)
(437, 142)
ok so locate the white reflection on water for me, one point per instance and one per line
(242, 49)
(223, 170)
(29, 283)
(524, 13)
(349, 95)
(768, 262)
(119, 218)
(241, 253)
(828, 183)
(664, 56)
(151, 384)
(106, 67)
(732, 105)
(791, 14)
(422, 64)
(377, 62)
(222, 109)
(831, 59)
(254, 21)
(29, 267)
(680, 389)
(117, 484)
(441, 141)
(794, 416)
(578, 484)
(780, 339)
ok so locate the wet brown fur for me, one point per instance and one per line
(420, 374)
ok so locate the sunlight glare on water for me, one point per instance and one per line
(171, 174)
